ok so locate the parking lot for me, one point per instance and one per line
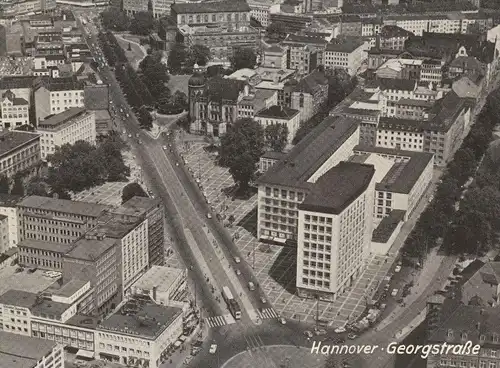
(274, 266)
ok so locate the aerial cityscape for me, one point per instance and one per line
(249, 183)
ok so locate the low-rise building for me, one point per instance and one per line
(411, 108)
(22, 352)
(67, 127)
(19, 152)
(275, 57)
(280, 115)
(8, 209)
(256, 101)
(346, 54)
(392, 37)
(310, 94)
(268, 159)
(15, 111)
(304, 53)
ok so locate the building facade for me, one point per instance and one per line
(67, 127)
(280, 115)
(15, 111)
(348, 55)
(19, 152)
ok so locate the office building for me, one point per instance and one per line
(334, 230)
(304, 53)
(23, 352)
(281, 115)
(8, 209)
(55, 95)
(42, 254)
(15, 111)
(19, 152)
(67, 127)
(153, 211)
(346, 54)
(283, 187)
(56, 220)
(261, 11)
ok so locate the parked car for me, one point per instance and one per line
(251, 286)
(397, 269)
(394, 292)
(282, 320)
(209, 216)
(237, 259)
(263, 300)
(213, 349)
(340, 330)
(351, 336)
(238, 272)
(308, 334)
(320, 332)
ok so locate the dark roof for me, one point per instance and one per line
(197, 79)
(407, 125)
(56, 120)
(15, 100)
(402, 176)
(390, 31)
(96, 96)
(311, 152)
(344, 45)
(310, 83)
(397, 84)
(63, 205)
(385, 229)
(61, 84)
(17, 82)
(11, 140)
(142, 204)
(445, 111)
(338, 188)
(150, 321)
(225, 6)
(273, 155)
(20, 351)
(9, 200)
(279, 112)
(219, 88)
(294, 38)
(90, 249)
(379, 51)
(414, 102)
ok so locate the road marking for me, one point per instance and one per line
(268, 313)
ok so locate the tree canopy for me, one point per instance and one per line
(4, 184)
(142, 23)
(276, 136)
(243, 57)
(145, 118)
(199, 54)
(240, 151)
(177, 58)
(132, 190)
(277, 30)
(115, 19)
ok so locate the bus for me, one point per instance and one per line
(232, 304)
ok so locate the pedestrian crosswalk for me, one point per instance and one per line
(268, 313)
(218, 321)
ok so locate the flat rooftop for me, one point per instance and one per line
(35, 304)
(338, 188)
(67, 289)
(45, 245)
(115, 227)
(9, 200)
(140, 205)
(90, 249)
(58, 120)
(63, 205)
(311, 153)
(11, 140)
(149, 322)
(81, 320)
(161, 277)
(397, 124)
(18, 351)
(385, 229)
(34, 282)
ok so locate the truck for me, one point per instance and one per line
(232, 304)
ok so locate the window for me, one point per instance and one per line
(301, 100)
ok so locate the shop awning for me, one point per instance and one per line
(85, 354)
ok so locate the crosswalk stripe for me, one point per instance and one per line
(268, 313)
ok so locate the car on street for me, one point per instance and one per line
(263, 300)
(397, 269)
(165, 148)
(320, 332)
(308, 334)
(238, 272)
(237, 259)
(209, 216)
(213, 349)
(251, 286)
(282, 320)
(351, 336)
(394, 292)
(340, 330)
(130, 135)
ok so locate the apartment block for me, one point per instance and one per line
(56, 220)
(55, 95)
(281, 115)
(19, 152)
(8, 208)
(4, 233)
(261, 11)
(20, 352)
(284, 186)
(346, 54)
(67, 127)
(334, 230)
(15, 111)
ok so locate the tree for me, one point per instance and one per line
(37, 186)
(18, 187)
(142, 23)
(276, 136)
(180, 99)
(176, 58)
(115, 19)
(109, 152)
(277, 30)
(132, 190)
(145, 118)
(199, 54)
(241, 148)
(4, 184)
(243, 57)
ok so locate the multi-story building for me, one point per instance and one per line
(280, 115)
(152, 210)
(275, 57)
(284, 186)
(393, 38)
(21, 351)
(4, 233)
(96, 258)
(431, 71)
(255, 102)
(56, 220)
(16, 8)
(8, 209)
(399, 133)
(412, 109)
(15, 111)
(351, 25)
(55, 95)
(310, 95)
(42, 254)
(377, 56)
(19, 152)
(293, 22)
(346, 54)
(370, 27)
(67, 127)
(261, 11)
(130, 7)
(221, 26)
(304, 53)
(334, 230)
